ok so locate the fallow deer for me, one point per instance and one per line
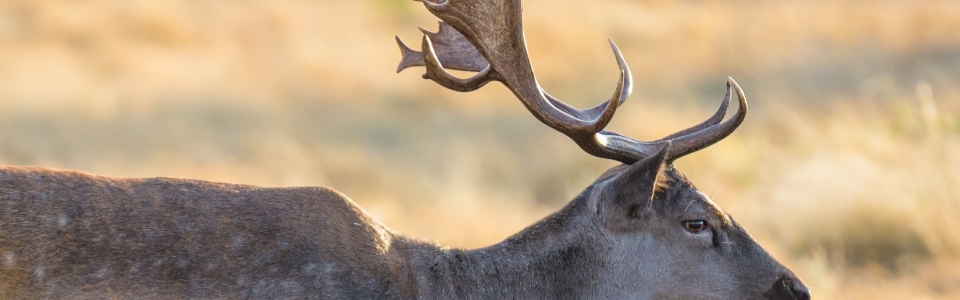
(640, 231)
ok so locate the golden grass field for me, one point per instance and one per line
(847, 168)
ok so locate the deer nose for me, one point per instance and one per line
(800, 291)
(789, 288)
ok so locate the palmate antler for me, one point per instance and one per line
(486, 36)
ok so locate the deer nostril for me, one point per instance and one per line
(800, 291)
(788, 287)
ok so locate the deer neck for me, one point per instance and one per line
(544, 261)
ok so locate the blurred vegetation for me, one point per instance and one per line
(847, 169)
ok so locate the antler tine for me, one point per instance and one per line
(438, 74)
(701, 139)
(594, 112)
(453, 50)
(713, 120)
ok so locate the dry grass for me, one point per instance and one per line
(848, 168)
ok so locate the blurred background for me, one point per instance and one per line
(847, 168)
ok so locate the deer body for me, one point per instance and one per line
(640, 231)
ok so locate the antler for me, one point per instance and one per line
(486, 36)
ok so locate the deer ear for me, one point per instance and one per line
(635, 187)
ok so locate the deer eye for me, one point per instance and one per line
(695, 226)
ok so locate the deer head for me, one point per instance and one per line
(647, 232)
